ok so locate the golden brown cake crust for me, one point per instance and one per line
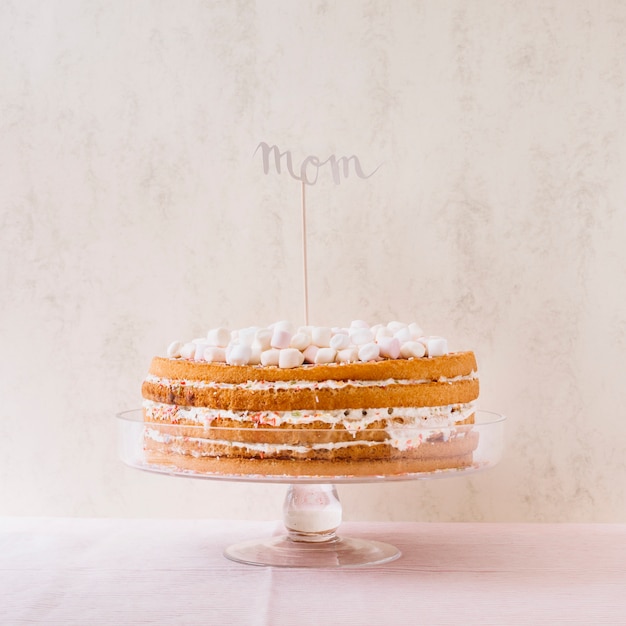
(421, 395)
(449, 366)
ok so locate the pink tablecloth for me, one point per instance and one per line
(92, 572)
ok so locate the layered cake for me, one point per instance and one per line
(312, 401)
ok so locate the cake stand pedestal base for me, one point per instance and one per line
(312, 514)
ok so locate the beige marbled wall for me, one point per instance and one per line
(133, 211)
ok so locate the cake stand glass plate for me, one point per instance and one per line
(312, 510)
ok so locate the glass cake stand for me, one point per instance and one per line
(312, 510)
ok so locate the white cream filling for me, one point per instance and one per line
(409, 441)
(353, 420)
(260, 385)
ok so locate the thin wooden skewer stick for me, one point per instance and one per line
(304, 259)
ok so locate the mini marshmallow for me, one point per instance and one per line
(301, 341)
(412, 349)
(309, 353)
(255, 356)
(361, 336)
(416, 331)
(247, 335)
(320, 336)
(289, 358)
(201, 346)
(359, 324)
(173, 350)
(285, 325)
(280, 338)
(394, 327)
(218, 337)
(325, 355)
(369, 352)
(340, 341)
(238, 355)
(403, 335)
(383, 332)
(389, 347)
(270, 357)
(435, 346)
(215, 355)
(348, 355)
(376, 327)
(263, 339)
(188, 351)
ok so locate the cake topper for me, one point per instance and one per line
(309, 170)
(308, 174)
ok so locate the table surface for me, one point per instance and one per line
(103, 571)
